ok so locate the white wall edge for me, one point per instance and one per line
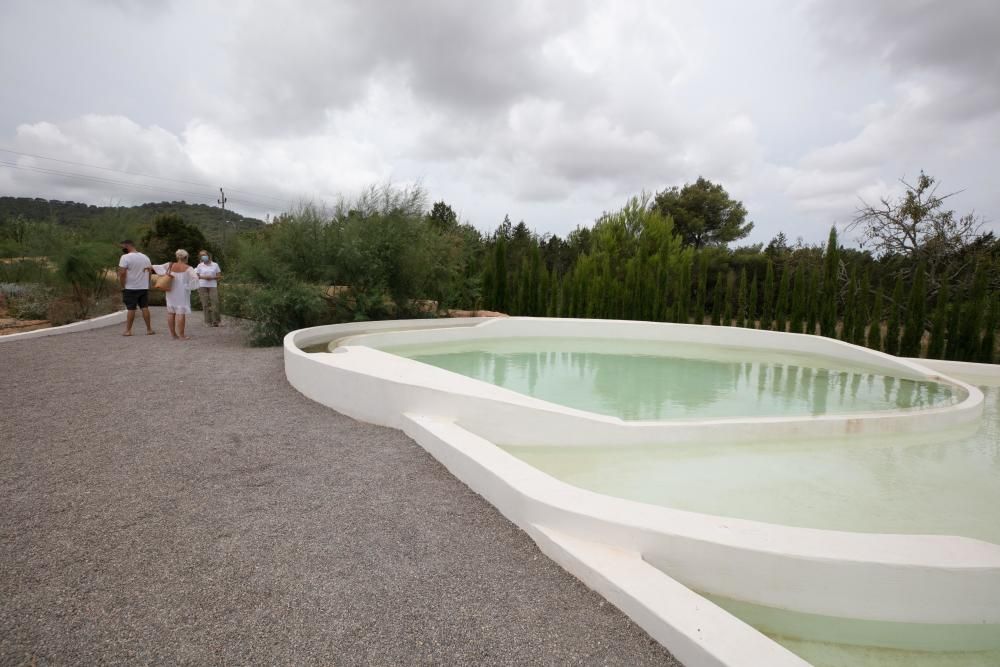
(117, 317)
(507, 417)
(871, 576)
(966, 371)
(697, 632)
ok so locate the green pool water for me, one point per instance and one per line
(945, 483)
(642, 380)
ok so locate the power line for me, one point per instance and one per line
(142, 175)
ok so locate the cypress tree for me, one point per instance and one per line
(781, 309)
(719, 298)
(565, 295)
(874, 338)
(850, 304)
(727, 306)
(862, 299)
(895, 308)
(751, 317)
(952, 340)
(741, 299)
(702, 297)
(813, 301)
(799, 300)
(831, 287)
(500, 275)
(988, 344)
(972, 316)
(534, 300)
(767, 307)
(935, 348)
(916, 313)
(522, 298)
(682, 291)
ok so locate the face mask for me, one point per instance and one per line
(204, 258)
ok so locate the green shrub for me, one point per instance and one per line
(33, 270)
(275, 310)
(83, 268)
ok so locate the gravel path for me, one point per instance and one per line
(178, 502)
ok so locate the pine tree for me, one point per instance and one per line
(767, 307)
(874, 338)
(895, 308)
(935, 348)
(751, 319)
(831, 286)
(916, 313)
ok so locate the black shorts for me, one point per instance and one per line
(135, 297)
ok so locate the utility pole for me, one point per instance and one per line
(222, 203)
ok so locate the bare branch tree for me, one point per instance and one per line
(916, 225)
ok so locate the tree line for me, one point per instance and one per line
(925, 285)
(923, 281)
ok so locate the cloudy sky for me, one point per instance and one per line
(549, 111)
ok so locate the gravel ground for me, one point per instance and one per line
(178, 502)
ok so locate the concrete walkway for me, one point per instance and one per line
(178, 502)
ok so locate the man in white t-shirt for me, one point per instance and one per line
(209, 275)
(133, 276)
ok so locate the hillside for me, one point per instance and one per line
(74, 214)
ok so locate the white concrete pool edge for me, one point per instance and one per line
(506, 417)
(887, 577)
(117, 317)
(857, 575)
(697, 632)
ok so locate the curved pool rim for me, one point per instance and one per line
(935, 579)
(507, 417)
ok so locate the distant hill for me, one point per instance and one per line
(74, 214)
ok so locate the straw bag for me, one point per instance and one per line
(164, 282)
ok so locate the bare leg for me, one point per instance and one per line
(129, 319)
(170, 325)
(181, 321)
(147, 320)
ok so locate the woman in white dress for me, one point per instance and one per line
(179, 295)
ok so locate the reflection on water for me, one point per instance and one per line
(642, 380)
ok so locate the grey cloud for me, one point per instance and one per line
(957, 40)
(292, 65)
